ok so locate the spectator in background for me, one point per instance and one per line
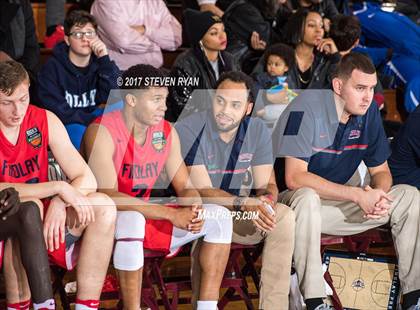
(136, 31)
(315, 56)
(205, 60)
(405, 157)
(275, 94)
(325, 8)
(217, 7)
(249, 29)
(18, 40)
(54, 18)
(78, 77)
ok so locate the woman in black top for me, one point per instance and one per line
(205, 61)
(315, 55)
(249, 25)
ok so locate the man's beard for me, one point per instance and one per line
(230, 127)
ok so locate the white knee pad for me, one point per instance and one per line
(129, 235)
(218, 224)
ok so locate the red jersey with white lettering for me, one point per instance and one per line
(138, 167)
(27, 161)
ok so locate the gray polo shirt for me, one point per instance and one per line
(226, 163)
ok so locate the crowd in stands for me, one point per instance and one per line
(286, 96)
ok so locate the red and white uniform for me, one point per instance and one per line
(138, 168)
(27, 162)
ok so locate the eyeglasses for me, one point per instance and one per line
(79, 34)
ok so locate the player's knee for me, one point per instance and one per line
(129, 235)
(36, 201)
(29, 213)
(218, 223)
(130, 224)
(104, 208)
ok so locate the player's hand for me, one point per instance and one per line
(187, 218)
(372, 201)
(327, 24)
(55, 223)
(80, 203)
(327, 46)
(256, 42)
(98, 47)
(265, 221)
(9, 202)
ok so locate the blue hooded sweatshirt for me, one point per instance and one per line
(71, 94)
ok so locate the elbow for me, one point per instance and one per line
(291, 183)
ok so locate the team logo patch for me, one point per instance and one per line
(354, 134)
(245, 157)
(158, 141)
(34, 137)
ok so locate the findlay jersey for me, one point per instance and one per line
(138, 168)
(27, 161)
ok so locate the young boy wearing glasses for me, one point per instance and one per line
(77, 79)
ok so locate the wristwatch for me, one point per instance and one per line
(237, 203)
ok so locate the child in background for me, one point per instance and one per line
(77, 79)
(278, 58)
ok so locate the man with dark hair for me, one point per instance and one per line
(138, 143)
(345, 31)
(21, 223)
(78, 77)
(221, 147)
(70, 210)
(323, 137)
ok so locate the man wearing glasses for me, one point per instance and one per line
(78, 77)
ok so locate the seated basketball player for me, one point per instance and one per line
(21, 221)
(70, 209)
(139, 144)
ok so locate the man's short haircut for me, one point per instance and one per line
(12, 74)
(239, 77)
(283, 51)
(295, 27)
(78, 18)
(142, 77)
(353, 61)
(345, 30)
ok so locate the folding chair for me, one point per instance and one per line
(235, 275)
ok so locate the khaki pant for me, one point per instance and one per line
(276, 258)
(315, 216)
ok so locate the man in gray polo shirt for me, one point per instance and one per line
(219, 147)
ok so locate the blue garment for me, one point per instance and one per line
(386, 29)
(405, 158)
(309, 129)
(73, 93)
(76, 131)
(377, 54)
(264, 82)
(406, 71)
(226, 163)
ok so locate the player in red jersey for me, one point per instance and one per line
(138, 143)
(69, 209)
